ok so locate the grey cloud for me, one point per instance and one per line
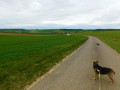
(58, 13)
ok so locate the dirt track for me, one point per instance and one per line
(16, 34)
(76, 72)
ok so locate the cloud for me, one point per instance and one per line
(59, 13)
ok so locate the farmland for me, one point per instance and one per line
(41, 32)
(25, 58)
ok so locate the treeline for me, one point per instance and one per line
(90, 29)
(107, 29)
(71, 29)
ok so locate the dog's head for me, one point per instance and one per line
(94, 62)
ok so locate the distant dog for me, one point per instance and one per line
(97, 43)
(103, 71)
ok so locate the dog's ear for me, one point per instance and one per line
(96, 61)
(93, 61)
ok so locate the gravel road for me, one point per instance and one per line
(76, 72)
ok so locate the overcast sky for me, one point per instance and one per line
(60, 14)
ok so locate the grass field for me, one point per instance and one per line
(112, 38)
(25, 58)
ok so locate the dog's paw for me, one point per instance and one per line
(94, 78)
(111, 82)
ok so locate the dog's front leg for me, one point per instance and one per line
(96, 75)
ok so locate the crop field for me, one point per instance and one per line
(112, 38)
(25, 58)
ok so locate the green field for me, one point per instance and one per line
(25, 58)
(112, 38)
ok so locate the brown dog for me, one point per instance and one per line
(103, 70)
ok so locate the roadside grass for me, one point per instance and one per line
(112, 38)
(25, 58)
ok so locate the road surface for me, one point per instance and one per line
(76, 72)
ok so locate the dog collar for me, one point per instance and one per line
(98, 70)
